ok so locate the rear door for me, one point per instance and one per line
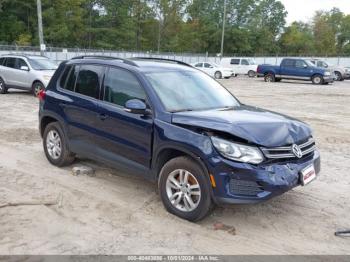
(8, 71)
(81, 90)
(235, 64)
(123, 136)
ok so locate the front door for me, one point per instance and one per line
(123, 136)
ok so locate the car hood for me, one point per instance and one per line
(258, 126)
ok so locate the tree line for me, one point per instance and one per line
(253, 27)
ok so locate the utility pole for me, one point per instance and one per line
(40, 27)
(223, 30)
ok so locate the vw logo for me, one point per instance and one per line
(297, 151)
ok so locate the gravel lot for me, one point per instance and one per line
(112, 213)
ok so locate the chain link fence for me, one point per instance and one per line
(60, 54)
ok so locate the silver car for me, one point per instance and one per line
(32, 73)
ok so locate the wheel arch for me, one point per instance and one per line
(167, 153)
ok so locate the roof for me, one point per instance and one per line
(139, 64)
(23, 55)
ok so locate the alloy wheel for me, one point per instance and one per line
(54, 144)
(183, 190)
(37, 89)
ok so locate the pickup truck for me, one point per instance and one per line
(295, 69)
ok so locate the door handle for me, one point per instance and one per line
(102, 117)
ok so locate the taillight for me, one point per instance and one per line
(42, 95)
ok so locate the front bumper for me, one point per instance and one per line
(240, 183)
(328, 79)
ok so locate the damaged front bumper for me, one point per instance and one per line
(241, 183)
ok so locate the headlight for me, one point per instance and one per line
(47, 78)
(327, 73)
(238, 152)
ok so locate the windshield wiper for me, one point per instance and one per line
(227, 108)
(181, 110)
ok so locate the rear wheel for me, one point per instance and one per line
(184, 189)
(317, 80)
(3, 89)
(251, 73)
(218, 75)
(339, 76)
(269, 77)
(36, 88)
(55, 146)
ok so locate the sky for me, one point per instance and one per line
(303, 10)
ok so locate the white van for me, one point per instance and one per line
(241, 66)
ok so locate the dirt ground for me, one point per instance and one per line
(112, 213)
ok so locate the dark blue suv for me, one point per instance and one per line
(176, 126)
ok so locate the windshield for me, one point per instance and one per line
(42, 64)
(309, 63)
(190, 91)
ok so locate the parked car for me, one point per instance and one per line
(241, 66)
(26, 72)
(296, 69)
(176, 126)
(340, 72)
(214, 70)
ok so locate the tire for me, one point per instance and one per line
(199, 194)
(36, 88)
(218, 75)
(65, 157)
(3, 88)
(270, 77)
(339, 76)
(251, 74)
(317, 80)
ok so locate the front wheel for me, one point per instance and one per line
(184, 189)
(317, 80)
(218, 75)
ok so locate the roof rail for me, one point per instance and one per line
(161, 59)
(125, 61)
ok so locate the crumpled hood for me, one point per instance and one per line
(258, 126)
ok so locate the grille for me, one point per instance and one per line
(306, 148)
(244, 187)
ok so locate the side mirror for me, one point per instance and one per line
(136, 106)
(24, 68)
(304, 66)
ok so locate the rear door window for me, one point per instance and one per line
(121, 86)
(89, 80)
(198, 65)
(288, 63)
(10, 62)
(2, 60)
(235, 61)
